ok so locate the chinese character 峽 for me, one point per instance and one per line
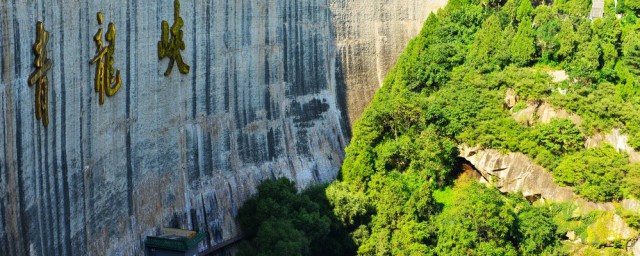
(171, 47)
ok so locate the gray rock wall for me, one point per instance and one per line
(266, 97)
(369, 37)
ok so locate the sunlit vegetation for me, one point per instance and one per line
(396, 193)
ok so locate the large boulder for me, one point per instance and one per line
(610, 227)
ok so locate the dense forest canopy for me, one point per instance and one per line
(398, 193)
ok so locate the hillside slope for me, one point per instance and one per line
(396, 191)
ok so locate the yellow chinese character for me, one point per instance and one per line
(105, 81)
(171, 47)
(39, 76)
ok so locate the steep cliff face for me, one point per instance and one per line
(369, 37)
(266, 96)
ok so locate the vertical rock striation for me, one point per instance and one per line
(369, 37)
(266, 97)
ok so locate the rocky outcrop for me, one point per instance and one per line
(515, 172)
(631, 205)
(617, 140)
(266, 96)
(542, 112)
(609, 227)
(634, 246)
(558, 76)
(511, 99)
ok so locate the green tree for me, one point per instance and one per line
(536, 230)
(608, 29)
(547, 38)
(280, 221)
(586, 62)
(280, 237)
(487, 46)
(510, 8)
(525, 11)
(350, 206)
(631, 52)
(578, 8)
(584, 32)
(567, 40)
(632, 5)
(560, 136)
(631, 183)
(543, 14)
(596, 173)
(479, 223)
(522, 47)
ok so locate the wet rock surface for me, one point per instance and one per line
(272, 88)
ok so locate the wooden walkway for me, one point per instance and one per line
(221, 245)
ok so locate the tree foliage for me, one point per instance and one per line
(280, 221)
(596, 173)
(631, 182)
(522, 47)
(631, 51)
(481, 221)
(567, 40)
(560, 136)
(487, 53)
(478, 223)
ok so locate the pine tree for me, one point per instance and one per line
(525, 11)
(487, 44)
(567, 40)
(522, 47)
(631, 51)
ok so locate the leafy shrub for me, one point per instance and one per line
(631, 183)
(596, 173)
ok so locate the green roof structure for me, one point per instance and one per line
(178, 240)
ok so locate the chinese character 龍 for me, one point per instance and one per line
(105, 81)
